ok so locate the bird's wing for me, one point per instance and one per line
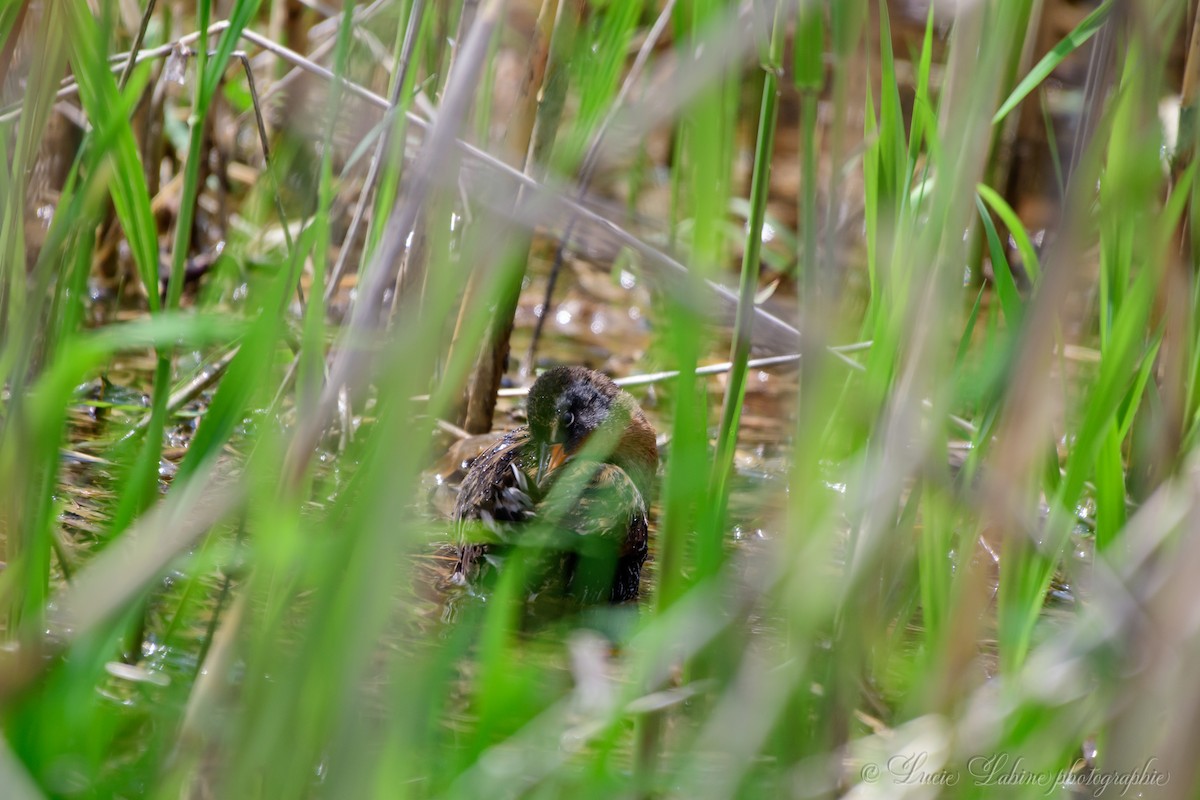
(493, 500)
(596, 519)
(497, 488)
(596, 501)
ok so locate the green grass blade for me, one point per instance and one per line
(109, 112)
(1015, 227)
(1006, 287)
(1074, 40)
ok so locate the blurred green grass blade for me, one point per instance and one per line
(700, 190)
(64, 242)
(1015, 227)
(1110, 488)
(487, 89)
(554, 96)
(589, 56)
(1117, 374)
(764, 150)
(871, 203)
(213, 69)
(683, 479)
(109, 112)
(922, 104)
(1137, 393)
(809, 75)
(964, 342)
(709, 124)
(48, 59)
(894, 166)
(393, 166)
(10, 12)
(181, 242)
(1176, 206)
(1105, 291)
(139, 486)
(498, 693)
(16, 778)
(1052, 140)
(48, 54)
(599, 71)
(932, 145)
(1006, 287)
(846, 24)
(1076, 38)
(210, 72)
(982, 384)
(310, 371)
(245, 378)
(936, 564)
(1025, 574)
(69, 309)
(808, 48)
(52, 393)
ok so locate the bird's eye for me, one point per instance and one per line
(568, 419)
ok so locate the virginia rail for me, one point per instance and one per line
(577, 479)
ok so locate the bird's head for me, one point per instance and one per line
(569, 406)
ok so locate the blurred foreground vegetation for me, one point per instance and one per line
(926, 533)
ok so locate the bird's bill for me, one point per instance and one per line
(550, 458)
